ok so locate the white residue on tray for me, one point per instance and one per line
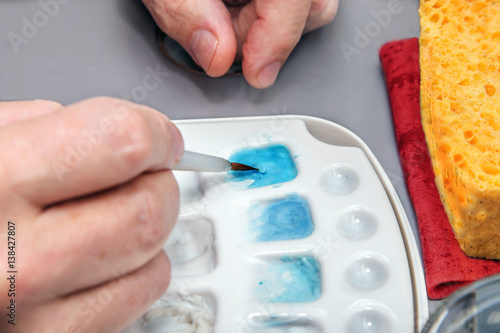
(190, 246)
(183, 314)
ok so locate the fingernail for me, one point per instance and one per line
(268, 74)
(203, 45)
(177, 145)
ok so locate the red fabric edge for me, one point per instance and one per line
(446, 267)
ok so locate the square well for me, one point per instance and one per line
(279, 323)
(281, 219)
(191, 246)
(288, 279)
(275, 165)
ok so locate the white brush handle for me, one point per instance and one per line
(200, 162)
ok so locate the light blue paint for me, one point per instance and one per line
(285, 219)
(274, 162)
(290, 280)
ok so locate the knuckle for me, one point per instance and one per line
(330, 11)
(178, 5)
(159, 206)
(176, 10)
(322, 12)
(133, 141)
(150, 223)
(318, 7)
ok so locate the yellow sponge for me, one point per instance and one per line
(460, 107)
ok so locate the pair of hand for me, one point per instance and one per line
(262, 33)
(87, 186)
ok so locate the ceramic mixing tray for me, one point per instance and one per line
(316, 241)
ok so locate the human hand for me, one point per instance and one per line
(262, 33)
(92, 204)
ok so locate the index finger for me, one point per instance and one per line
(272, 37)
(86, 147)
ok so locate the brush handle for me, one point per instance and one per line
(191, 161)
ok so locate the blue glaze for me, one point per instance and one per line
(274, 162)
(291, 280)
(285, 219)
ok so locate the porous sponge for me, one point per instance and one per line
(460, 108)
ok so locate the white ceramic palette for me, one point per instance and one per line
(345, 262)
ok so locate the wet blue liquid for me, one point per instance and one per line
(291, 280)
(285, 219)
(274, 162)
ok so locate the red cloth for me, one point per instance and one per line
(446, 267)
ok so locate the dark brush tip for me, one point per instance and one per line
(242, 167)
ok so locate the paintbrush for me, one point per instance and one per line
(191, 161)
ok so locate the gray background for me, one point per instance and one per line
(104, 47)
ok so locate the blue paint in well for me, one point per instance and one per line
(285, 219)
(291, 280)
(274, 162)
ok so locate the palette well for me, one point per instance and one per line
(316, 241)
(274, 164)
(281, 219)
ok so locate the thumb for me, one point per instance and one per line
(202, 27)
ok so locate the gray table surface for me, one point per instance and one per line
(105, 47)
